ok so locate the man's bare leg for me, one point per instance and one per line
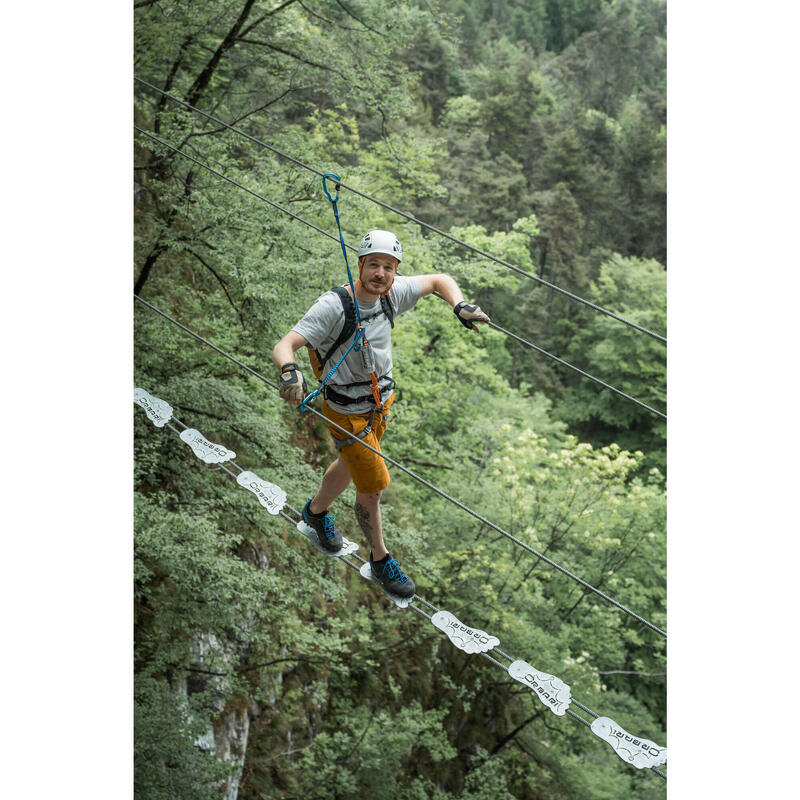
(334, 482)
(368, 514)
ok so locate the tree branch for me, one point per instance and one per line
(159, 247)
(351, 14)
(162, 100)
(221, 283)
(206, 672)
(238, 119)
(290, 54)
(281, 660)
(358, 743)
(265, 16)
(329, 21)
(204, 78)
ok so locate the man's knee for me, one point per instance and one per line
(369, 499)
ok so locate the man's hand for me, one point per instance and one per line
(467, 314)
(293, 384)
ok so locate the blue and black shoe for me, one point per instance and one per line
(323, 526)
(388, 573)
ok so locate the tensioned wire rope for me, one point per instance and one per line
(416, 477)
(410, 217)
(431, 606)
(350, 247)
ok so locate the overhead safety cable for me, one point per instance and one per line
(350, 247)
(421, 612)
(577, 369)
(234, 182)
(416, 477)
(410, 217)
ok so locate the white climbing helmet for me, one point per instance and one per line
(381, 242)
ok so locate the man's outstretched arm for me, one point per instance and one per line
(448, 289)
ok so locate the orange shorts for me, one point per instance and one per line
(367, 469)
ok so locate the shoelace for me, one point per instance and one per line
(392, 566)
(330, 529)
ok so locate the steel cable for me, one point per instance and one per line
(576, 369)
(416, 477)
(412, 218)
(411, 605)
(350, 247)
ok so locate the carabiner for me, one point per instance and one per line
(309, 399)
(333, 200)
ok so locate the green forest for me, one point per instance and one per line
(534, 130)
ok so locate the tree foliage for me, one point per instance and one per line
(481, 118)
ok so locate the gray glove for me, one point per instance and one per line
(467, 314)
(293, 384)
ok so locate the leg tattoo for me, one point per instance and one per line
(363, 517)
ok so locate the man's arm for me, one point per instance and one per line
(448, 289)
(283, 352)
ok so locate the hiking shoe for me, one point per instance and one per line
(391, 577)
(323, 526)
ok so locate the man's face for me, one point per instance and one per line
(377, 272)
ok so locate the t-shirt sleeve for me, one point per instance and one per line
(405, 292)
(322, 321)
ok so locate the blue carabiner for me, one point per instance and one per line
(333, 200)
(310, 399)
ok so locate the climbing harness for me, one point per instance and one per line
(385, 384)
(340, 443)
(318, 360)
(360, 343)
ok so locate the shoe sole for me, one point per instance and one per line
(346, 549)
(366, 573)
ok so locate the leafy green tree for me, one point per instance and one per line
(493, 138)
(568, 19)
(626, 49)
(624, 357)
(641, 167)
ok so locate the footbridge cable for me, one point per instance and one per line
(550, 690)
(410, 217)
(416, 477)
(350, 247)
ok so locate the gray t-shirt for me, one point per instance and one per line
(323, 322)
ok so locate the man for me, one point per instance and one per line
(382, 295)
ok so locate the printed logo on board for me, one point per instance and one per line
(552, 691)
(159, 411)
(272, 497)
(470, 640)
(205, 450)
(641, 753)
